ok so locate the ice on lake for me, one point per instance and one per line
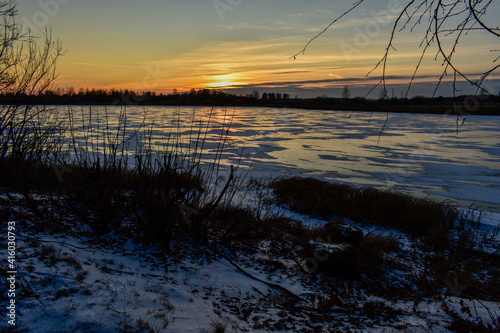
(419, 154)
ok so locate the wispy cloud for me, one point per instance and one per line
(104, 65)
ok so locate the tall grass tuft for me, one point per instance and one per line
(108, 169)
(30, 133)
(420, 216)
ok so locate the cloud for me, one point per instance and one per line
(340, 82)
(103, 65)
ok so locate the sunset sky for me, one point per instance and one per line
(242, 45)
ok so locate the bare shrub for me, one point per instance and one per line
(27, 68)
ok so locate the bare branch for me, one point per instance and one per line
(356, 4)
(27, 68)
(472, 8)
(448, 22)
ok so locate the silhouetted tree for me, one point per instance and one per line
(70, 91)
(346, 93)
(192, 92)
(447, 22)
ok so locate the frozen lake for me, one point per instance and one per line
(422, 155)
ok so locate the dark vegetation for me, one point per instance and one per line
(444, 258)
(423, 217)
(447, 237)
(92, 174)
(460, 105)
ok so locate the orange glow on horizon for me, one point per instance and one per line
(227, 81)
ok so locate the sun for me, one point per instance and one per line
(224, 81)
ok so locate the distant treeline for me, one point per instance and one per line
(462, 105)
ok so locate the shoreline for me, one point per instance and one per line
(461, 106)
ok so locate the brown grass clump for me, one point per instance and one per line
(372, 252)
(344, 251)
(314, 197)
(240, 224)
(420, 216)
(230, 223)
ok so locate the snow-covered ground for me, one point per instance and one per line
(73, 280)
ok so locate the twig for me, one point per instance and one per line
(269, 284)
(356, 4)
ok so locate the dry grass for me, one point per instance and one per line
(423, 217)
(219, 326)
(372, 253)
(167, 190)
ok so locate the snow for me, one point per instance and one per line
(78, 283)
(121, 285)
